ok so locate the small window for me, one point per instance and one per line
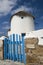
(41, 37)
(22, 17)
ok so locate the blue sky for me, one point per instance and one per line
(9, 7)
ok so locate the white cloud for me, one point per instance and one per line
(23, 8)
(6, 6)
(5, 22)
(1, 32)
(6, 27)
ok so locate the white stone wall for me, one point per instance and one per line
(1, 40)
(9, 33)
(36, 34)
(19, 25)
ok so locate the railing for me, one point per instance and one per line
(14, 48)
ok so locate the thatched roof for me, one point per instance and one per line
(22, 13)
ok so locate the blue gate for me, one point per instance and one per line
(14, 48)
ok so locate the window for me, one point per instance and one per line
(22, 17)
(41, 37)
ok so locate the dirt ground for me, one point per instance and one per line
(9, 62)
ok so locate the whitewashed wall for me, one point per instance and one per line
(37, 34)
(9, 33)
(1, 40)
(19, 25)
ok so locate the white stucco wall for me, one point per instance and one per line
(2, 37)
(1, 40)
(19, 25)
(9, 33)
(37, 34)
